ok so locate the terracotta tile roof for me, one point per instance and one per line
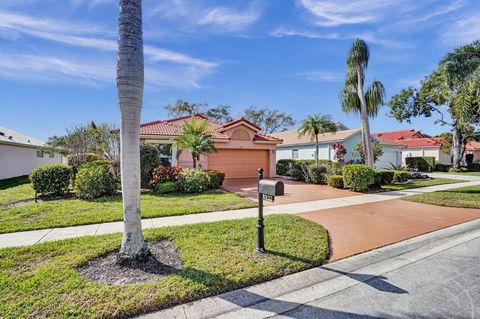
(419, 142)
(473, 145)
(242, 119)
(398, 135)
(173, 127)
(291, 137)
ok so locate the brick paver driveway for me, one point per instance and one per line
(359, 228)
(295, 192)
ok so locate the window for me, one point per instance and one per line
(40, 154)
(294, 153)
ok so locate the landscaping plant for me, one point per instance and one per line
(216, 178)
(166, 187)
(357, 151)
(193, 180)
(317, 174)
(335, 181)
(358, 177)
(51, 179)
(421, 164)
(339, 152)
(384, 177)
(95, 179)
(440, 167)
(400, 176)
(162, 174)
(315, 125)
(149, 159)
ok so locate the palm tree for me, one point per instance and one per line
(195, 138)
(314, 125)
(130, 80)
(353, 97)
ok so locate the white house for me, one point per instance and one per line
(19, 154)
(295, 147)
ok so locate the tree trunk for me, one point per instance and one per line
(194, 161)
(367, 142)
(457, 147)
(316, 154)
(130, 80)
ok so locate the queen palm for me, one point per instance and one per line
(355, 99)
(315, 125)
(130, 80)
(195, 138)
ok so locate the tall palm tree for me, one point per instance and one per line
(195, 138)
(355, 99)
(315, 125)
(130, 80)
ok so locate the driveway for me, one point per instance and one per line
(359, 228)
(295, 192)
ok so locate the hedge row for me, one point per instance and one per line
(422, 164)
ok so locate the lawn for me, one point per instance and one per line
(72, 211)
(464, 173)
(43, 280)
(468, 197)
(419, 183)
(15, 189)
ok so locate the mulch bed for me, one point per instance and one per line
(164, 260)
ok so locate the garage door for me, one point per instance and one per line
(239, 163)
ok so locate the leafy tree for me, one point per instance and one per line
(357, 151)
(130, 81)
(220, 113)
(315, 125)
(195, 138)
(353, 97)
(454, 86)
(269, 120)
(340, 152)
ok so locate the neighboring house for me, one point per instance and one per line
(295, 147)
(19, 154)
(416, 144)
(473, 147)
(241, 148)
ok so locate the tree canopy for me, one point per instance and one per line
(220, 113)
(269, 120)
(357, 151)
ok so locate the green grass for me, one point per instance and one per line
(467, 197)
(15, 189)
(72, 211)
(42, 281)
(419, 183)
(463, 173)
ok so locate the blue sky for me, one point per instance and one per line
(57, 57)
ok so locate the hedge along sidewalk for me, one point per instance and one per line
(46, 235)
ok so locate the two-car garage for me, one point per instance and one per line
(240, 163)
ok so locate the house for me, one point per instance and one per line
(473, 147)
(295, 147)
(241, 148)
(19, 154)
(416, 144)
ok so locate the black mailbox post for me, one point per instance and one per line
(267, 190)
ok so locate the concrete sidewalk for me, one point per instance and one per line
(429, 276)
(51, 234)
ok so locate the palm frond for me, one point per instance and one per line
(358, 55)
(375, 97)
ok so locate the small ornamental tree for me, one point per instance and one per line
(340, 151)
(357, 151)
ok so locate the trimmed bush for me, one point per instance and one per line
(474, 167)
(334, 168)
(78, 160)
(95, 179)
(193, 180)
(284, 167)
(422, 164)
(469, 159)
(384, 177)
(162, 174)
(358, 177)
(216, 178)
(417, 175)
(317, 174)
(149, 159)
(51, 179)
(166, 187)
(400, 176)
(335, 181)
(440, 167)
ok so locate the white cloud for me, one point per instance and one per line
(292, 32)
(321, 76)
(465, 30)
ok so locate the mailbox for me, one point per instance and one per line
(271, 187)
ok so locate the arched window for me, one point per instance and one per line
(240, 134)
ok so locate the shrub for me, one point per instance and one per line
(400, 176)
(300, 169)
(334, 168)
(166, 187)
(474, 167)
(216, 178)
(77, 160)
(162, 174)
(51, 179)
(335, 181)
(193, 180)
(339, 152)
(358, 177)
(95, 179)
(458, 170)
(384, 177)
(317, 174)
(469, 159)
(440, 167)
(149, 159)
(284, 167)
(417, 175)
(422, 164)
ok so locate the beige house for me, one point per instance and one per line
(241, 148)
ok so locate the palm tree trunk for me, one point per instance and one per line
(457, 147)
(367, 142)
(194, 161)
(130, 80)
(316, 154)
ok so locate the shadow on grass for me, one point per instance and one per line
(13, 182)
